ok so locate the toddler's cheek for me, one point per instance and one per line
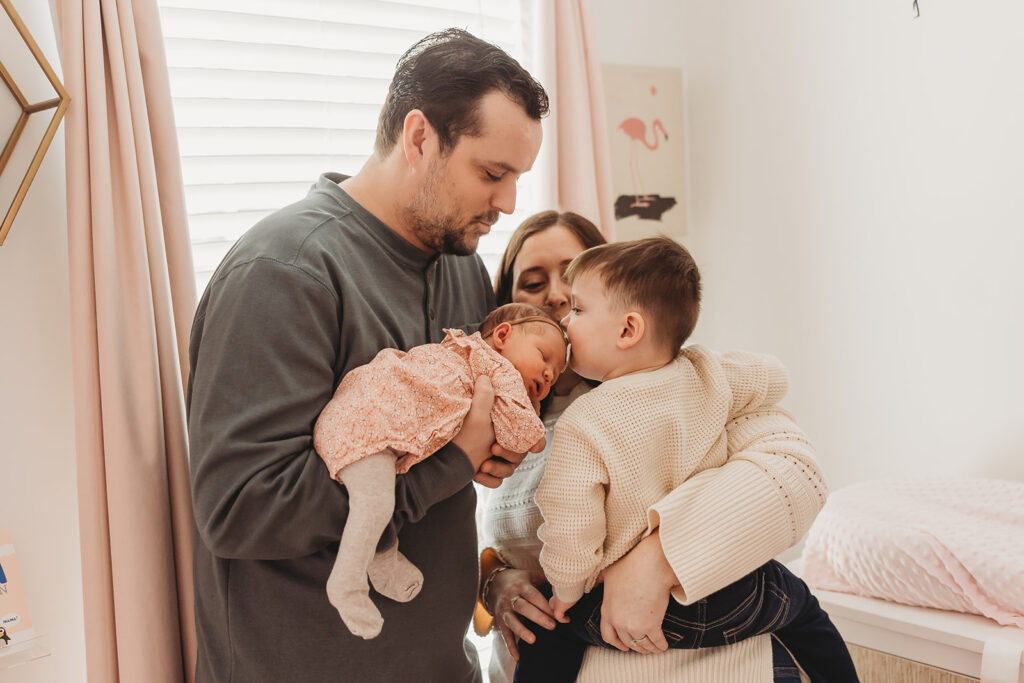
(574, 363)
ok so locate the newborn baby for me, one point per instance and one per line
(399, 408)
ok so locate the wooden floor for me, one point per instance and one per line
(876, 667)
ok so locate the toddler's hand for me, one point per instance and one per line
(560, 608)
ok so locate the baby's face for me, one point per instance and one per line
(538, 352)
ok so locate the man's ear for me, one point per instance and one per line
(632, 330)
(416, 131)
(500, 335)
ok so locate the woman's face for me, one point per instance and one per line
(538, 274)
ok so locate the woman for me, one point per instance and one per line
(637, 588)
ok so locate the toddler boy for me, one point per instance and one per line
(657, 419)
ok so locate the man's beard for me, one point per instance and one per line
(444, 233)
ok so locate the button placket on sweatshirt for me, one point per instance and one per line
(431, 279)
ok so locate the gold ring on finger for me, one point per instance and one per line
(515, 600)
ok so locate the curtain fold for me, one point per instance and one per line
(132, 300)
(575, 156)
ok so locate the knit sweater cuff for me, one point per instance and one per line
(709, 546)
(568, 593)
(789, 456)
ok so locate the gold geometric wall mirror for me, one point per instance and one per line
(25, 97)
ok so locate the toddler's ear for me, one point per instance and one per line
(633, 329)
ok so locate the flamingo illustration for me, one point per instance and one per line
(637, 132)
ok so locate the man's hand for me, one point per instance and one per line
(476, 438)
(477, 433)
(502, 464)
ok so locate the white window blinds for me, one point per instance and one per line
(268, 94)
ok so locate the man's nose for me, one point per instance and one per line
(504, 198)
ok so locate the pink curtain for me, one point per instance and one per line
(575, 156)
(132, 299)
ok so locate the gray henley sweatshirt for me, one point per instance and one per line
(307, 294)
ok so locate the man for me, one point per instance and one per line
(384, 258)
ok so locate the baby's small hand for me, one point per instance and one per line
(560, 608)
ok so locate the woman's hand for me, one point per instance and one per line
(636, 594)
(513, 594)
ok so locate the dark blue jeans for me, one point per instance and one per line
(770, 599)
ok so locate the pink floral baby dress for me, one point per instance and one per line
(414, 403)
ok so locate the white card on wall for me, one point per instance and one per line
(645, 121)
(15, 624)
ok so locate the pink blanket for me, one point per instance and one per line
(949, 543)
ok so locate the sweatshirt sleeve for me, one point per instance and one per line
(571, 498)
(725, 522)
(263, 355)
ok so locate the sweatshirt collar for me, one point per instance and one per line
(328, 183)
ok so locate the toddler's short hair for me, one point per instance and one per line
(656, 275)
(511, 312)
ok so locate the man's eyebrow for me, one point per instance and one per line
(502, 165)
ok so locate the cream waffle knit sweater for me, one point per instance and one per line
(770, 454)
(622, 451)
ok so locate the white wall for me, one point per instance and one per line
(855, 196)
(38, 498)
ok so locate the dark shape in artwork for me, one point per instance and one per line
(651, 209)
(636, 130)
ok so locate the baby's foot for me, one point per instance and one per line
(394, 576)
(355, 607)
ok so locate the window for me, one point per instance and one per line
(268, 94)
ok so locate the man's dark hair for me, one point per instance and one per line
(444, 75)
